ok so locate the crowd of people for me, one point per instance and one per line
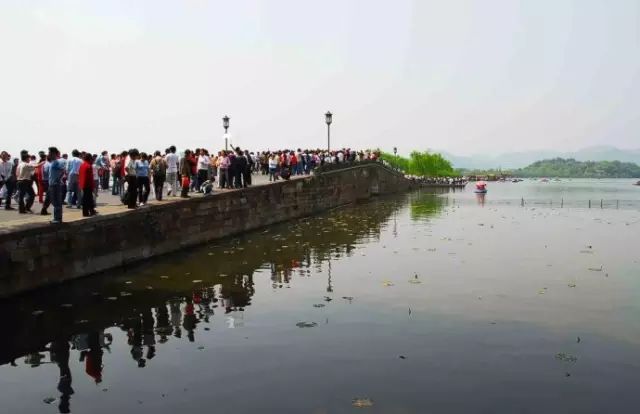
(76, 180)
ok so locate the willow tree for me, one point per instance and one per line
(422, 164)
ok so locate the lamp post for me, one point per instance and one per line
(395, 155)
(225, 124)
(328, 117)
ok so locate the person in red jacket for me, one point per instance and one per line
(85, 180)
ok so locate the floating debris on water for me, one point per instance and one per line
(123, 294)
(327, 299)
(37, 312)
(164, 277)
(319, 305)
(562, 356)
(387, 283)
(306, 324)
(571, 285)
(596, 269)
(112, 298)
(49, 400)
(196, 281)
(362, 402)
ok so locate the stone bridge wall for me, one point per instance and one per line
(42, 255)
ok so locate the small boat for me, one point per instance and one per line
(637, 183)
(481, 187)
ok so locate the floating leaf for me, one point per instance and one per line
(196, 281)
(306, 324)
(362, 403)
(49, 400)
(387, 283)
(571, 285)
(164, 277)
(37, 312)
(318, 305)
(566, 357)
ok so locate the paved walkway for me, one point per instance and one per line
(107, 204)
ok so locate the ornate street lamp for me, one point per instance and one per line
(225, 124)
(328, 117)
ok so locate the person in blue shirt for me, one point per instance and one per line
(56, 169)
(142, 178)
(73, 190)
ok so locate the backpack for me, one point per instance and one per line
(159, 168)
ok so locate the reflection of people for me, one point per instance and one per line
(176, 318)
(163, 329)
(134, 335)
(59, 351)
(148, 337)
(190, 320)
(480, 198)
(93, 357)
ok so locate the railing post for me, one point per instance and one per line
(562, 202)
(589, 203)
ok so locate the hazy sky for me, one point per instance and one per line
(462, 76)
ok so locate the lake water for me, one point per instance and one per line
(415, 304)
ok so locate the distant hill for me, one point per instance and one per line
(521, 159)
(560, 167)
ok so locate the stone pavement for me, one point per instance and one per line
(107, 204)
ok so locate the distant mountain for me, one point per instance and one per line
(522, 159)
(560, 167)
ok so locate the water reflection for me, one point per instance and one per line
(425, 205)
(178, 295)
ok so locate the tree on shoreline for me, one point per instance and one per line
(422, 164)
(570, 168)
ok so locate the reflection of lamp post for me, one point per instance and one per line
(329, 286)
(328, 117)
(225, 124)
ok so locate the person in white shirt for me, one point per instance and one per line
(172, 170)
(203, 168)
(5, 174)
(24, 176)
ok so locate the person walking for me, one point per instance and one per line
(225, 162)
(142, 178)
(24, 173)
(87, 183)
(273, 166)
(130, 177)
(185, 173)
(203, 168)
(73, 168)
(55, 194)
(158, 168)
(172, 171)
(45, 186)
(6, 179)
(116, 174)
